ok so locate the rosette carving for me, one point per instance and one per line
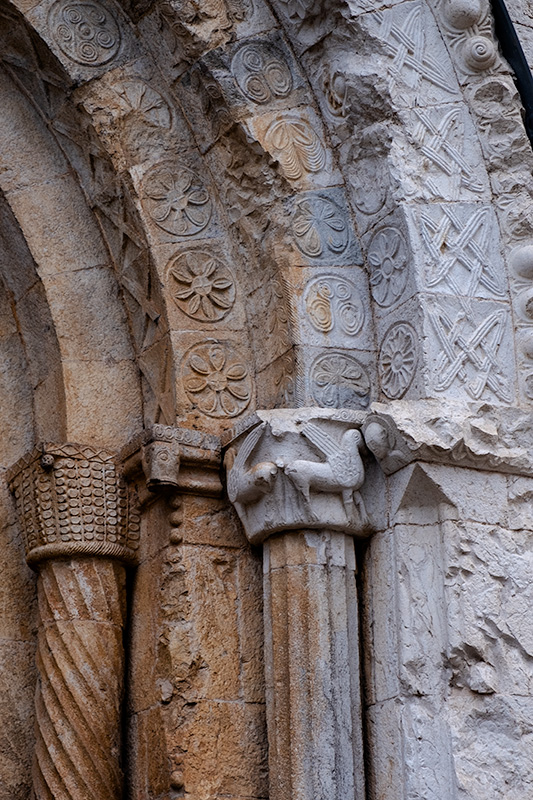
(85, 32)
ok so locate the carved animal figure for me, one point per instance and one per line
(246, 486)
(342, 472)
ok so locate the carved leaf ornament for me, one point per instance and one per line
(85, 32)
(177, 200)
(319, 224)
(202, 287)
(298, 148)
(216, 380)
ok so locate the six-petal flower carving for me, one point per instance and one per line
(216, 380)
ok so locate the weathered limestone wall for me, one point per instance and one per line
(196, 704)
(447, 633)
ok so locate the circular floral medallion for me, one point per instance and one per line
(216, 380)
(177, 200)
(85, 32)
(398, 360)
(338, 380)
(319, 224)
(201, 286)
(387, 255)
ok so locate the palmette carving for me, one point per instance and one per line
(298, 469)
(73, 500)
(86, 32)
(297, 147)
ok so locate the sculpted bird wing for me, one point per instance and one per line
(344, 466)
(241, 458)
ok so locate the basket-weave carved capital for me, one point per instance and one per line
(291, 469)
(72, 500)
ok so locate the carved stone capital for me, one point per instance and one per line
(175, 458)
(291, 469)
(477, 435)
(72, 500)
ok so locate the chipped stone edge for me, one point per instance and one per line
(475, 435)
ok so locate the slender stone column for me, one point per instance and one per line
(294, 477)
(80, 531)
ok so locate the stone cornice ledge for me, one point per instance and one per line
(175, 458)
(474, 435)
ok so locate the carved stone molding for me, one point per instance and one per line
(175, 458)
(72, 500)
(477, 435)
(291, 469)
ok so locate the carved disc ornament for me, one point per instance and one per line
(177, 200)
(398, 360)
(338, 380)
(319, 224)
(85, 32)
(387, 255)
(334, 302)
(216, 380)
(261, 73)
(201, 286)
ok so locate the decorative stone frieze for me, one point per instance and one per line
(72, 500)
(289, 469)
(175, 458)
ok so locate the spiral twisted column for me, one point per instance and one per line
(80, 531)
(294, 478)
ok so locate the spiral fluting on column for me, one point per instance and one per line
(80, 659)
(80, 529)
